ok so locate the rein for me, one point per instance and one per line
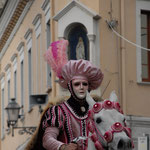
(115, 128)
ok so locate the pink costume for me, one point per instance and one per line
(66, 123)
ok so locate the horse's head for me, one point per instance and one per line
(108, 124)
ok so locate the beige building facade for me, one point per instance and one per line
(112, 34)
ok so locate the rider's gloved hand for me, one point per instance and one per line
(70, 146)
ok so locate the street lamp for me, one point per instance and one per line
(13, 114)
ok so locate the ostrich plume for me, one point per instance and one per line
(56, 56)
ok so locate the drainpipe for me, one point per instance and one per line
(52, 28)
(123, 57)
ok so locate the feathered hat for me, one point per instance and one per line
(56, 57)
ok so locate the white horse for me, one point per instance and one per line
(107, 125)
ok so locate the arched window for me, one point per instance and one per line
(78, 43)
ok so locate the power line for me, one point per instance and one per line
(119, 35)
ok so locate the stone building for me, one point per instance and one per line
(113, 34)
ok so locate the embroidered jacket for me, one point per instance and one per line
(69, 119)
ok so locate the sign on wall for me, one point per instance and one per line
(143, 143)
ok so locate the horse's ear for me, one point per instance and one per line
(113, 97)
(89, 99)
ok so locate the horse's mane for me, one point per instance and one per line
(35, 142)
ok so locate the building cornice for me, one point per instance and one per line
(11, 20)
(5, 42)
(7, 15)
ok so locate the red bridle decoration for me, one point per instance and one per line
(107, 104)
(116, 127)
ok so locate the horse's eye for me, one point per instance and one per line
(98, 120)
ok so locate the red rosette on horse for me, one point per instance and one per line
(97, 107)
(108, 104)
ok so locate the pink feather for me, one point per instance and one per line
(56, 56)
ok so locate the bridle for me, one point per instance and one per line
(115, 128)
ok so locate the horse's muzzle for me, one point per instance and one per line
(124, 144)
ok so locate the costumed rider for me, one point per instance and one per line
(64, 122)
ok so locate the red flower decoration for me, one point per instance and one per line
(108, 136)
(117, 127)
(90, 127)
(98, 145)
(108, 104)
(97, 107)
(94, 137)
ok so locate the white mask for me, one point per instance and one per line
(80, 86)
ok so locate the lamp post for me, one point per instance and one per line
(13, 114)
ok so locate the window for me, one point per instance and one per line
(28, 37)
(48, 44)
(2, 82)
(21, 54)
(29, 76)
(30, 71)
(15, 85)
(14, 62)
(145, 42)
(46, 8)
(22, 85)
(2, 115)
(78, 43)
(143, 39)
(8, 74)
(37, 23)
(38, 64)
(8, 86)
